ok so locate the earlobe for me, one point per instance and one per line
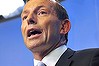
(65, 26)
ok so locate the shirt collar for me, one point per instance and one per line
(52, 58)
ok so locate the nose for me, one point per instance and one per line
(31, 19)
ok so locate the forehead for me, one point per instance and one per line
(35, 3)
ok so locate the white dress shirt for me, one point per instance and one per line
(52, 58)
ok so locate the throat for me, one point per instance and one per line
(38, 56)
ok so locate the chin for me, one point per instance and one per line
(33, 45)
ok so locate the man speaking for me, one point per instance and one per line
(45, 27)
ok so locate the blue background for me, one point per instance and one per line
(84, 33)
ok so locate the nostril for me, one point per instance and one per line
(31, 21)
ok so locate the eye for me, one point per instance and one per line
(24, 17)
(42, 13)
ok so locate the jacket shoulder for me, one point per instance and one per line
(86, 57)
(88, 52)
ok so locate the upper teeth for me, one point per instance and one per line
(33, 32)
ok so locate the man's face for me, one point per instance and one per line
(40, 25)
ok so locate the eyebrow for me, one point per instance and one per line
(24, 12)
(36, 9)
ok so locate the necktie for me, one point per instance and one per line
(41, 64)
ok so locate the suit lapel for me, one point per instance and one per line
(65, 59)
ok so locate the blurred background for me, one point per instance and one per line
(84, 33)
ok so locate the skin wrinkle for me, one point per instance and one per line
(53, 32)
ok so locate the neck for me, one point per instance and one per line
(40, 55)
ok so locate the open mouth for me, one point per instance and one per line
(33, 32)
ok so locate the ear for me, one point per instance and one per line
(65, 26)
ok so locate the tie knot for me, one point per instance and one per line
(41, 64)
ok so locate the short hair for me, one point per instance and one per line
(61, 14)
(27, 0)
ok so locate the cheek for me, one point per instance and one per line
(53, 35)
(23, 28)
(52, 30)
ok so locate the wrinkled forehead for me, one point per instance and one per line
(34, 3)
(42, 0)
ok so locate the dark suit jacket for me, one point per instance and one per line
(88, 57)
